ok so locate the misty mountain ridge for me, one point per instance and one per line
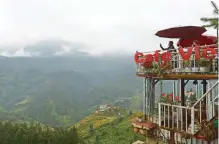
(61, 90)
(52, 47)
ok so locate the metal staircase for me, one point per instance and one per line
(185, 119)
(206, 106)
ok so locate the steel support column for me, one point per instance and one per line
(204, 84)
(182, 92)
(144, 97)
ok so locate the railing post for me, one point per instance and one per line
(192, 120)
(179, 58)
(213, 111)
(159, 114)
(197, 90)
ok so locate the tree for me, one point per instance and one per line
(212, 22)
(35, 133)
(97, 139)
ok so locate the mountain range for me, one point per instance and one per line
(61, 90)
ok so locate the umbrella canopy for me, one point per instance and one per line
(202, 40)
(181, 32)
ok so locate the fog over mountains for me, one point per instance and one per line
(51, 47)
(57, 83)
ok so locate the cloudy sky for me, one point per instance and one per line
(102, 25)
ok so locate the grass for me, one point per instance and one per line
(115, 132)
(109, 130)
(83, 126)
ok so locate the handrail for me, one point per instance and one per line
(206, 93)
(202, 47)
(178, 106)
(215, 98)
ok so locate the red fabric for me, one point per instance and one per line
(202, 40)
(181, 32)
(200, 137)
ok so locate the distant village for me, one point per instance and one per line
(106, 108)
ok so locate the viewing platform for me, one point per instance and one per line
(184, 63)
(170, 113)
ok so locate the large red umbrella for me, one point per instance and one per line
(181, 32)
(202, 40)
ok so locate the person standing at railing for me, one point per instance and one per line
(172, 50)
(170, 47)
(196, 45)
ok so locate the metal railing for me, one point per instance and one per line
(174, 116)
(177, 64)
(204, 108)
(188, 119)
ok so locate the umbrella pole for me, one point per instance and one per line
(217, 34)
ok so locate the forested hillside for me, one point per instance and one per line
(36, 134)
(62, 90)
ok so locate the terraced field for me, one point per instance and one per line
(83, 126)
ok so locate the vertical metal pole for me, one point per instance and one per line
(147, 102)
(144, 97)
(217, 34)
(174, 90)
(197, 90)
(179, 90)
(194, 60)
(148, 95)
(204, 86)
(159, 114)
(177, 87)
(152, 96)
(180, 64)
(205, 99)
(192, 120)
(208, 103)
(182, 92)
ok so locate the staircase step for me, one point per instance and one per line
(215, 122)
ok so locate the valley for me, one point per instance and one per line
(66, 91)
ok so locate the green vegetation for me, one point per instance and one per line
(212, 22)
(58, 91)
(109, 130)
(96, 120)
(36, 134)
(64, 91)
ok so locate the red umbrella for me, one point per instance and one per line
(202, 40)
(181, 32)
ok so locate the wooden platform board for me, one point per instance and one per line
(182, 76)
